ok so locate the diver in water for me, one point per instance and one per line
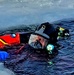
(41, 44)
(44, 38)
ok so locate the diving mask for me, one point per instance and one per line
(37, 41)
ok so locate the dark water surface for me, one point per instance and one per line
(62, 64)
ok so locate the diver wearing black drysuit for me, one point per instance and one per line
(41, 44)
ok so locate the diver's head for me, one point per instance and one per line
(43, 34)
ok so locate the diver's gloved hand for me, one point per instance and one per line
(3, 55)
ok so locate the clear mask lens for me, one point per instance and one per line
(37, 41)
